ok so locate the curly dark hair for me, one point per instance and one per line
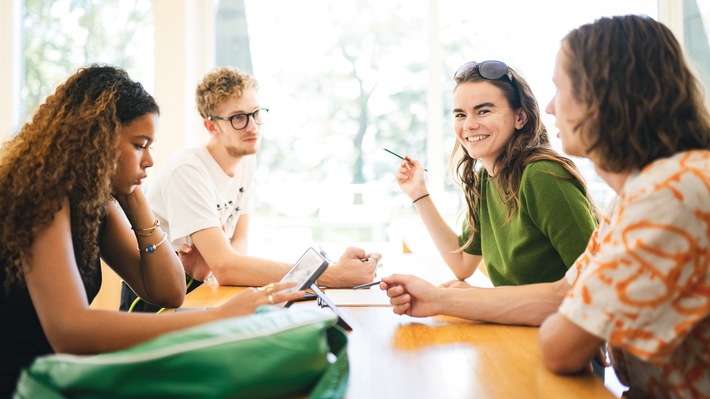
(219, 85)
(67, 150)
(643, 102)
(527, 145)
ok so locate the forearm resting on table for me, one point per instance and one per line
(94, 331)
(229, 266)
(521, 305)
(249, 271)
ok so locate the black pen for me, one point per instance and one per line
(400, 157)
(359, 287)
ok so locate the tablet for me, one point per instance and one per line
(305, 271)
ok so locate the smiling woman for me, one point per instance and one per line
(528, 215)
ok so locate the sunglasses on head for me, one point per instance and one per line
(491, 70)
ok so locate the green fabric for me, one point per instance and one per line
(545, 236)
(272, 354)
(334, 381)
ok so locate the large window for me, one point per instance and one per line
(343, 80)
(62, 35)
(346, 79)
(696, 26)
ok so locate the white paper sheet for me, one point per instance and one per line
(366, 297)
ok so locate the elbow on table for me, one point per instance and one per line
(463, 270)
(168, 300)
(222, 272)
(557, 359)
(462, 275)
(174, 301)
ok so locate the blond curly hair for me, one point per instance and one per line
(67, 150)
(219, 85)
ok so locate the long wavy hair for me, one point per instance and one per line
(68, 150)
(527, 145)
(643, 102)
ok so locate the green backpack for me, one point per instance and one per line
(271, 354)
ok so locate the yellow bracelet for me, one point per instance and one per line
(147, 232)
(152, 248)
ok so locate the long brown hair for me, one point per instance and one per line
(529, 144)
(643, 102)
(67, 150)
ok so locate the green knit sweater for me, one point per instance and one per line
(548, 232)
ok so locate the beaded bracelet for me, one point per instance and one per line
(149, 231)
(152, 248)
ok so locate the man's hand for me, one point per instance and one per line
(249, 299)
(411, 295)
(351, 270)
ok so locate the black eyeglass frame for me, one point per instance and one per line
(490, 69)
(252, 115)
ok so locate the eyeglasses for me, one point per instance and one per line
(240, 121)
(491, 70)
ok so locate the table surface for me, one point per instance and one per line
(395, 356)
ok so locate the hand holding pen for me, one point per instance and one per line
(410, 177)
(368, 285)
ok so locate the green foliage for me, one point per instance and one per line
(370, 93)
(61, 36)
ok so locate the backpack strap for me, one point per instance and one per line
(334, 381)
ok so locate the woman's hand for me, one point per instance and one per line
(248, 300)
(410, 177)
(136, 208)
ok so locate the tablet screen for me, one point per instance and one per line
(306, 270)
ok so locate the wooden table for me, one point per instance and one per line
(395, 356)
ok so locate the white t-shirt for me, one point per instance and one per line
(192, 193)
(643, 284)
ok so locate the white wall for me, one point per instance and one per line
(184, 52)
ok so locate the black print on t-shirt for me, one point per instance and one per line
(228, 210)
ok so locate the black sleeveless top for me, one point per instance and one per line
(21, 335)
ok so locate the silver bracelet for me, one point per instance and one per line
(152, 248)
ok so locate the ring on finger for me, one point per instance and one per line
(270, 298)
(268, 288)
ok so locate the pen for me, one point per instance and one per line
(399, 156)
(359, 287)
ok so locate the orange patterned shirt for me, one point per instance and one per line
(643, 283)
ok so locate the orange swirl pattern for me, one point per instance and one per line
(643, 283)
